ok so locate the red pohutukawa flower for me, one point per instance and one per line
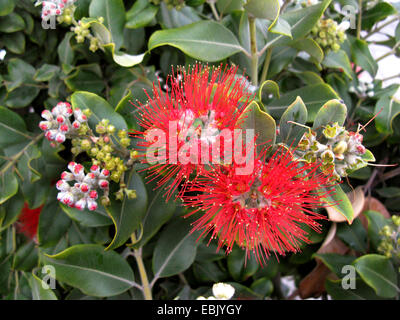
(262, 211)
(28, 221)
(182, 124)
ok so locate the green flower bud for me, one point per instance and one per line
(335, 47)
(340, 147)
(125, 142)
(94, 151)
(80, 39)
(122, 134)
(131, 194)
(86, 144)
(327, 156)
(100, 128)
(87, 112)
(105, 201)
(110, 129)
(115, 176)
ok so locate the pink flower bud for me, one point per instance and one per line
(92, 205)
(93, 194)
(68, 198)
(80, 204)
(84, 187)
(60, 119)
(67, 176)
(62, 185)
(76, 124)
(71, 166)
(104, 173)
(64, 128)
(95, 169)
(44, 125)
(60, 137)
(78, 168)
(103, 184)
(46, 114)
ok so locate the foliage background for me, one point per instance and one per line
(44, 66)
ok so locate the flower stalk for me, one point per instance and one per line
(137, 253)
(254, 54)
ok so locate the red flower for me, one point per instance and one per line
(29, 221)
(199, 104)
(263, 211)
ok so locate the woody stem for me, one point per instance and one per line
(137, 253)
(254, 54)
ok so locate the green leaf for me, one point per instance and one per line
(376, 221)
(175, 250)
(65, 52)
(12, 128)
(6, 7)
(390, 109)
(261, 122)
(38, 292)
(127, 214)
(379, 12)
(301, 22)
(311, 47)
(86, 218)
(361, 292)
(282, 27)
(113, 13)
(9, 212)
(100, 108)
(53, 223)
(92, 270)
(14, 42)
(338, 60)
(263, 287)
(26, 257)
(353, 235)
(389, 192)
(331, 112)
(297, 112)
(8, 185)
(362, 57)
(335, 262)
(46, 72)
(228, 6)
(313, 97)
(11, 23)
(141, 14)
(242, 264)
(158, 212)
(83, 77)
(203, 40)
(206, 271)
(378, 272)
(342, 203)
(263, 9)
(268, 87)
(104, 35)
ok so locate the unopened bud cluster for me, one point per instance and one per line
(364, 89)
(84, 189)
(177, 4)
(52, 8)
(390, 243)
(102, 148)
(82, 32)
(58, 123)
(339, 150)
(328, 34)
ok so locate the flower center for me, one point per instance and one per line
(203, 128)
(253, 198)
